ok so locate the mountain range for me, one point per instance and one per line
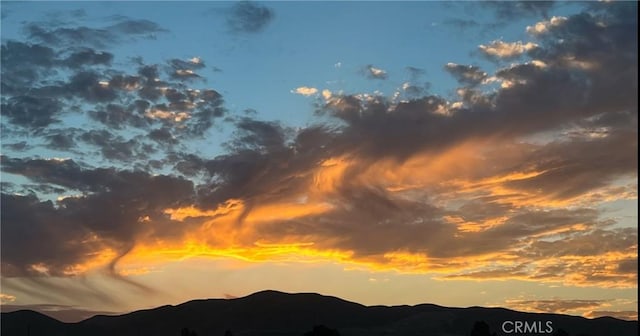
(271, 313)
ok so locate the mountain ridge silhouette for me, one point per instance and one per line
(272, 312)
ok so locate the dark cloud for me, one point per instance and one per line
(23, 218)
(249, 17)
(628, 266)
(88, 57)
(262, 173)
(54, 35)
(33, 100)
(118, 116)
(404, 225)
(415, 91)
(31, 111)
(377, 128)
(106, 215)
(17, 146)
(86, 85)
(466, 74)
(125, 82)
(504, 13)
(137, 27)
(258, 136)
(113, 147)
(206, 112)
(67, 36)
(593, 243)
(163, 136)
(23, 64)
(15, 53)
(185, 70)
(43, 189)
(61, 141)
(192, 64)
(570, 169)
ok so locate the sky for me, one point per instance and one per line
(455, 153)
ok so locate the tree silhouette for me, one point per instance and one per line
(321, 330)
(481, 328)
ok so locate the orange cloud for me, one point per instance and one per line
(452, 213)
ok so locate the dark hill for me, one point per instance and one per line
(29, 322)
(277, 313)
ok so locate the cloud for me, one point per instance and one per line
(116, 148)
(33, 112)
(53, 35)
(375, 73)
(88, 56)
(163, 136)
(106, 216)
(466, 74)
(62, 140)
(6, 298)
(193, 63)
(249, 17)
(505, 50)
(136, 27)
(120, 100)
(305, 91)
(17, 146)
(588, 308)
(543, 26)
(555, 305)
(185, 70)
(629, 315)
(23, 64)
(565, 174)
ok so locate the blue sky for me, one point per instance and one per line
(392, 146)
